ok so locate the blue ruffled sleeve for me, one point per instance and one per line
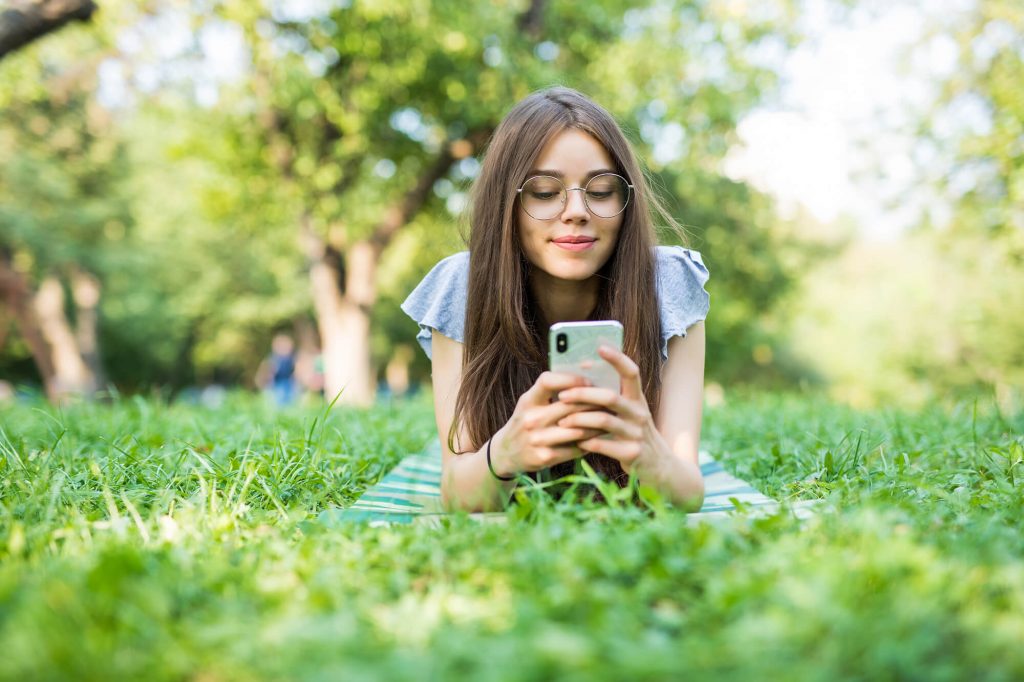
(681, 295)
(439, 301)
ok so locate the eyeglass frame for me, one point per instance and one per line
(565, 202)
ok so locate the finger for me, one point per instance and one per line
(624, 451)
(604, 397)
(550, 414)
(632, 384)
(603, 421)
(549, 383)
(550, 456)
(561, 436)
(540, 417)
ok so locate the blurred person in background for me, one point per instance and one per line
(276, 374)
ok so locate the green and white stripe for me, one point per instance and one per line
(411, 492)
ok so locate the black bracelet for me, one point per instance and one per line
(491, 467)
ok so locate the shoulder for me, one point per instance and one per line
(677, 263)
(682, 299)
(453, 268)
(447, 278)
(439, 300)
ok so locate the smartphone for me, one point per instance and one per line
(573, 350)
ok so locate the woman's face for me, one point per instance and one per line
(574, 157)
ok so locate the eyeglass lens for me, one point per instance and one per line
(605, 195)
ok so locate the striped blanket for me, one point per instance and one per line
(411, 493)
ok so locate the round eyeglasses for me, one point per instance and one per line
(544, 197)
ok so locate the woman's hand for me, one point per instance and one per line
(635, 438)
(532, 439)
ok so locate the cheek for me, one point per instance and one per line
(528, 240)
(613, 231)
(529, 234)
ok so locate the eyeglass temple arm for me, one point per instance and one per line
(574, 189)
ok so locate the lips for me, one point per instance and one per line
(575, 243)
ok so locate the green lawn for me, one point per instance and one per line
(146, 541)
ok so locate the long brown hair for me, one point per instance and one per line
(505, 336)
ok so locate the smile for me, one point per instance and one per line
(575, 243)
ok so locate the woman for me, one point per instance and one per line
(561, 229)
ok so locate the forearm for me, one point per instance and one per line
(678, 479)
(468, 485)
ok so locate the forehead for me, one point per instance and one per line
(573, 152)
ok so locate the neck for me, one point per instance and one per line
(562, 300)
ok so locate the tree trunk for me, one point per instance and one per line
(344, 282)
(5, 328)
(307, 352)
(85, 290)
(397, 371)
(22, 21)
(343, 286)
(17, 295)
(71, 374)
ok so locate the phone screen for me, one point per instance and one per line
(573, 350)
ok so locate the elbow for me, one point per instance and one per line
(683, 489)
(692, 498)
(695, 502)
(449, 502)
(452, 501)
(457, 504)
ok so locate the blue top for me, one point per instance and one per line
(439, 301)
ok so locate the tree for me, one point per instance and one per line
(939, 312)
(57, 195)
(372, 114)
(22, 22)
(984, 102)
(331, 175)
(984, 241)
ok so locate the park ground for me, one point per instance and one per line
(147, 540)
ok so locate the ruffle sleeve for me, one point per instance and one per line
(683, 301)
(439, 301)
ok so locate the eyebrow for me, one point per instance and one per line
(560, 174)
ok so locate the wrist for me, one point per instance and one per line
(653, 460)
(496, 462)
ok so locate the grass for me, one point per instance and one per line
(146, 540)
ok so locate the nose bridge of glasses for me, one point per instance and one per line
(582, 196)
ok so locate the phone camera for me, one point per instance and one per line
(561, 343)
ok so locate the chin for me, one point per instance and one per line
(577, 271)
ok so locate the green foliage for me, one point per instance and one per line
(939, 310)
(353, 107)
(988, 177)
(64, 204)
(212, 290)
(984, 244)
(902, 322)
(736, 229)
(61, 196)
(190, 214)
(169, 541)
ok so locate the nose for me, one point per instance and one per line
(575, 207)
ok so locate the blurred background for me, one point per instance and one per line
(201, 195)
